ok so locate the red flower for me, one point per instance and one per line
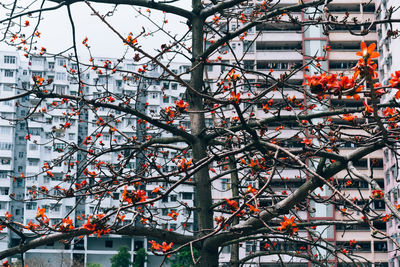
(386, 217)
(235, 97)
(253, 209)
(89, 226)
(173, 214)
(66, 224)
(181, 105)
(155, 245)
(368, 109)
(165, 247)
(367, 52)
(306, 141)
(377, 194)
(289, 225)
(184, 164)
(232, 203)
(40, 213)
(395, 81)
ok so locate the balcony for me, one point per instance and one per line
(343, 55)
(5, 182)
(362, 235)
(344, 36)
(279, 54)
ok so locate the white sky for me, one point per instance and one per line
(56, 29)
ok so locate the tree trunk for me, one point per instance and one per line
(203, 199)
(235, 193)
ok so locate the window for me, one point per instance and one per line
(68, 208)
(164, 212)
(37, 61)
(174, 86)
(225, 184)
(33, 162)
(186, 195)
(173, 198)
(248, 47)
(56, 207)
(9, 59)
(7, 87)
(24, 72)
(20, 183)
(380, 246)
(59, 88)
(5, 161)
(223, 67)
(31, 205)
(33, 147)
(61, 76)
(8, 73)
(51, 65)
(5, 130)
(248, 64)
(61, 62)
(109, 244)
(251, 247)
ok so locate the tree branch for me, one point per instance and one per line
(143, 3)
(130, 231)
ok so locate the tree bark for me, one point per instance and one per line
(234, 261)
(203, 199)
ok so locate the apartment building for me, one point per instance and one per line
(276, 48)
(388, 64)
(48, 141)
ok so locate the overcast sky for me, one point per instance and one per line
(56, 29)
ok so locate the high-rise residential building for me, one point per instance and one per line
(22, 156)
(276, 49)
(388, 64)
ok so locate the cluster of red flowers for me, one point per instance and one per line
(184, 164)
(157, 247)
(288, 225)
(377, 194)
(324, 83)
(96, 226)
(136, 196)
(340, 84)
